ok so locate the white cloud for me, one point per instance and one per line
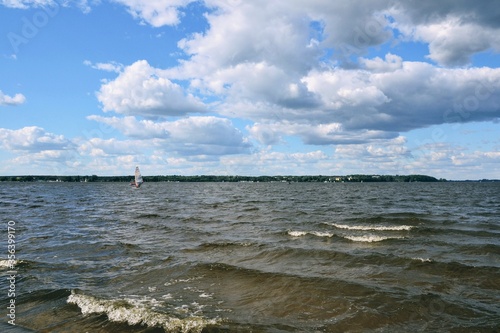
(108, 67)
(285, 86)
(412, 96)
(243, 61)
(143, 90)
(453, 31)
(268, 162)
(377, 65)
(11, 100)
(201, 135)
(32, 138)
(291, 69)
(97, 147)
(251, 32)
(131, 127)
(489, 158)
(24, 4)
(453, 43)
(258, 83)
(34, 150)
(156, 13)
(320, 134)
(254, 31)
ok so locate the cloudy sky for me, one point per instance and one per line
(240, 87)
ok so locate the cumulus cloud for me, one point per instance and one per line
(255, 74)
(270, 162)
(11, 100)
(197, 135)
(32, 138)
(386, 97)
(449, 44)
(259, 83)
(157, 13)
(143, 90)
(454, 30)
(407, 96)
(97, 147)
(321, 134)
(299, 68)
(391, 63)
(252, 31)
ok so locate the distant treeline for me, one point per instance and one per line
(212, 178)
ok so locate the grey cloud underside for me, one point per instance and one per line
(485, 13)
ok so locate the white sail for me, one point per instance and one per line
(138, 177)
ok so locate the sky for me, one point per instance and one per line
(240, 87)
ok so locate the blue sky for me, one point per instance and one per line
(233, 87)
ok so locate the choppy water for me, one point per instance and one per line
(252, 257)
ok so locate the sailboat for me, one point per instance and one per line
(137, 182)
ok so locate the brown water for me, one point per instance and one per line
(253, 257)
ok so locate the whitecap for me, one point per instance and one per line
(4, 263)
(372, 227)
(370, 238)
(133, 313)
(297, 233)
(322, 234)
(422, 259)
(314, 233)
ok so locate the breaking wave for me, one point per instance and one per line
(362, 238)
(372, 227)
(314, 233)
(370, 238)
(134, 312)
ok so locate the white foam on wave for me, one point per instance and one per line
(297, 233)
(372, 227)
(176, 281)
(369, 238)
(315, 233)
(136, 313)
(4, 263)
(322, 234)
(422, 259)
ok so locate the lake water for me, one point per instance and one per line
(251, 257)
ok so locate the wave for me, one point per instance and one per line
(314, 233)
(362, 238)
(8, 263)
(372, 227)
(370, 238)
(480, 249)
(205, 246)
(297, 233)
(14, 264)
(422, 259)
(135, 312)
